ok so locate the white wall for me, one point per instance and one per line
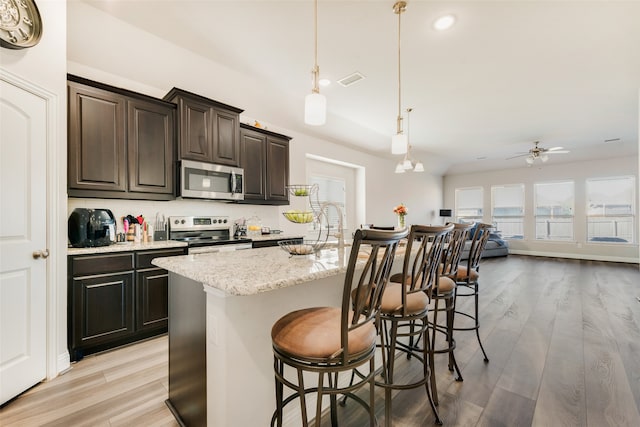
(578, 172)
(45, 65)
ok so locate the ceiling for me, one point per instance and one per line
(507, 74)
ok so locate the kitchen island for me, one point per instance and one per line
(221, 309)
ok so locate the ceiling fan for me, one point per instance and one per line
(538, 152)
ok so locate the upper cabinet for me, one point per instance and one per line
(208, 130)
(264, 156)
(121, 144)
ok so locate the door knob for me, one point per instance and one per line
(41, 254)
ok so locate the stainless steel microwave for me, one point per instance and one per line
(202, 180)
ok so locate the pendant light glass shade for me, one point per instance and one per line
(406, 164)
(400, 168)
(399, 143)
(419, 167)
(315, 109)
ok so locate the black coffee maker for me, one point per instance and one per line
(91, 227)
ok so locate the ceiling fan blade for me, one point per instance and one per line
(516, 156)
(558, 152)
(555, 148)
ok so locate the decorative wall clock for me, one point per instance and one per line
(20, 24)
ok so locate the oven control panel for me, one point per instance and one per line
(194, 223)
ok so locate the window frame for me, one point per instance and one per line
(536, 216)
(632, 215)
(469, 218)
(501, 230)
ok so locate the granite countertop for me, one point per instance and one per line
(124, 247)
(250, 272)
(165, 244)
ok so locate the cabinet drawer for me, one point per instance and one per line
(143, 259)
(98, 264)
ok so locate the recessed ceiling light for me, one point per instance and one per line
(444, 22)
(481, 158)
(324, 82)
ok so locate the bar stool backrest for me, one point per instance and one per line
(478, 243)
(366, 282)
(454, 249)
(422, 273)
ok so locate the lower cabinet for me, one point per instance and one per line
(116, 299)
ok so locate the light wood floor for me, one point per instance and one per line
(563, 337)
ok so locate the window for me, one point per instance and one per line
(330, 190)
(610, 209)
(554, 210)
(469, 204)
(507, 210)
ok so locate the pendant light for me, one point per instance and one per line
(408, 163)
(315, 104)
(399, 143)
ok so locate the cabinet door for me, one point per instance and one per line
(196, 138)
(102, 308)
(152, 308)
(225, 138)
(253, 153)
(150, 147)
(277, 170)
(96, 141)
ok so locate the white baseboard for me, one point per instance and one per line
(575, 256)
(64, 363)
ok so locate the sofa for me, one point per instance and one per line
(496, 246)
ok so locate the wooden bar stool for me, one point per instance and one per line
(331, 340)
(467, 280)
(404, 311)
(445, 291)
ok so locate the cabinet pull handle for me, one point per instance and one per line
(41, 254)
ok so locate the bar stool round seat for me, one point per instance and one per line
(314, 333)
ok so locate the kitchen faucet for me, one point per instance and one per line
(340, 233)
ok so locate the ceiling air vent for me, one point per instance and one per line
(351, 79)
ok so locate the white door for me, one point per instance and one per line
(23, 232)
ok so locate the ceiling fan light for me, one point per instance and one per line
(529, 160)
(399, 143)
(419, 167)
(315, 109)
(399, 168)
(544, 158)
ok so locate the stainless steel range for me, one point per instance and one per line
(205, 234)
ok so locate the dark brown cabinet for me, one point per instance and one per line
(208, 130)
(264, 156)
(115, 299)
(121, 144)
(97, 140)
